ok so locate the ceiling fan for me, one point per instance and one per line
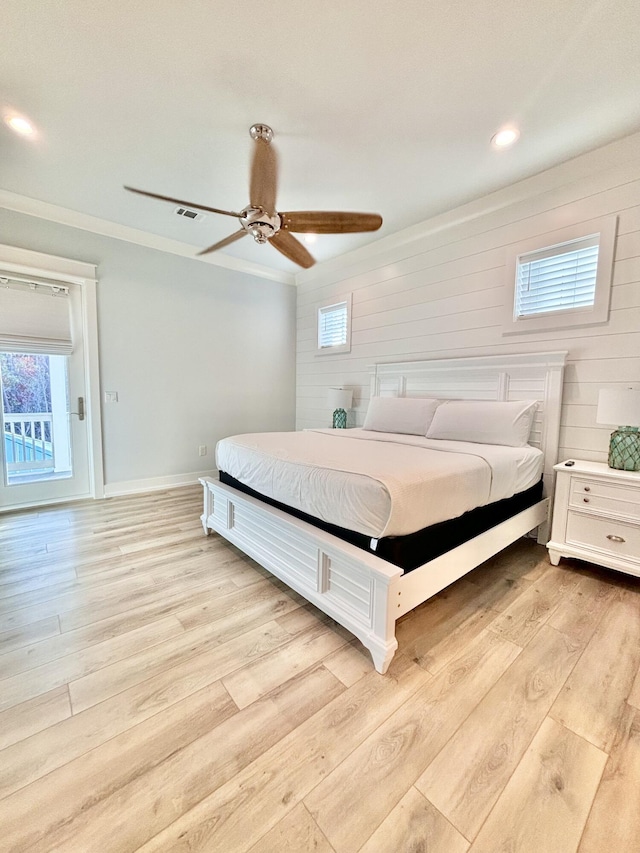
(261, 219)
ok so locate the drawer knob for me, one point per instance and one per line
(586, 500)
(615, 538)
(587, 488)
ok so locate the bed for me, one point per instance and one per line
(380, 561)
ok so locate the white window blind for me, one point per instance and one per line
(558, 278)
(34, 317)
(333, 325)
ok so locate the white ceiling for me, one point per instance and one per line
(385, 106)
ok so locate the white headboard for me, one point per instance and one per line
(527, 376)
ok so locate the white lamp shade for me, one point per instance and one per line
(340, 398)
(619, 407)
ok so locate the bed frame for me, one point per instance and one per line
(359, 590)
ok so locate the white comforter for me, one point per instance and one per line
(378, 484)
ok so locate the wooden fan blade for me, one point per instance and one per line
(292, 249)
(184, 203)
(230, 239)
(329, 222)
(264, 176)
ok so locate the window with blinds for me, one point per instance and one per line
(557, 279)
(334, 327)
(561, 280)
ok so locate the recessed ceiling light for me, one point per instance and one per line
(20, 124)
(310, 238)
(505, 138)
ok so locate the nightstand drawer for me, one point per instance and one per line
(602, 534)
(622, 501)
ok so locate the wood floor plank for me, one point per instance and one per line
(171, 784)
(277, 781)
(65, 793)
(302, 619)
(73, 642)
(26, 635)
(523, 560)
(414, 825)
(215, 606)
(34, 716)
(580, 615)
(173, 604)
(109, 680)
(434, 657)
(436, 617)
(89, 539)
(33, 682)
(454, 616)
(469, 774)
(155, 542)
(58, 580)
(155, 593)
(62, 743)
(614, 822)
(593, 700)
(387, 763)
(114, 590)
(350, 663)
(634, 696)
(533, 608)
(258, 610)
(297, 831)
(41, 593)
(259, 677)
(545, 805)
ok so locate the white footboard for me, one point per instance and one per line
(356, 589)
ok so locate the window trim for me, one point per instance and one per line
(334, 350)
(566, 318)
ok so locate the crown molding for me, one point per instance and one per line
(86, 222)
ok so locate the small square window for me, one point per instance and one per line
(334, 327)
(561, 285)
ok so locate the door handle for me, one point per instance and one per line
(80, 412)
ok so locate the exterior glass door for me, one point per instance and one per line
(44, 447)
(37, 440)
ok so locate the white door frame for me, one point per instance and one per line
(27, 262)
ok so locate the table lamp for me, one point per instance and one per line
(621, 406)
(339, 400)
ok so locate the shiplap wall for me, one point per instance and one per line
(437, 291)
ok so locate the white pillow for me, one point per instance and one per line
(484, 421)
(407, 415)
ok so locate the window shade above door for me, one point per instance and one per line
(34, 317)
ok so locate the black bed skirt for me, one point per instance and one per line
(410, 551)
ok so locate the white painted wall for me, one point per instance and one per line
(195, 352)
(436, 291)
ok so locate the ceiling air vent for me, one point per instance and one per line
(189, 214)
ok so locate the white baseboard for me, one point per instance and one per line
(154, 484)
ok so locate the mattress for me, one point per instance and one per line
(377, 484)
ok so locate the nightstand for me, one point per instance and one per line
(596, 516)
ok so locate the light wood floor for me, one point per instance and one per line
(161, 693)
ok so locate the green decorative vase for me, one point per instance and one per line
(624, 449)
(339, 419)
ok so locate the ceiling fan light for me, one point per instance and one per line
(505, 138)
(310, 238)
(258, 235)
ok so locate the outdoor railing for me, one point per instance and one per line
(28, 441)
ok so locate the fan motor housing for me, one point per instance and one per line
(260, 224)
